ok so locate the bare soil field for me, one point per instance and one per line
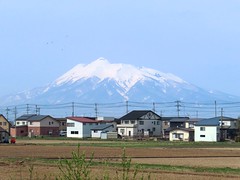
(16, 160)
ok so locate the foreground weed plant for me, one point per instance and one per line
(79, 168)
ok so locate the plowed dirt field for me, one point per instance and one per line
(16, 160)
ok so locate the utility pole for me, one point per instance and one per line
(96, 110)
(27, 108)
(154, 107)
(73, 109)
(36, 109)
(15, 118)
(215, 108)
(221, 127)
(178, 105)
(7, 110)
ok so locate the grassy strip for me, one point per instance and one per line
(226, 170)
(172, 168)
(138, 144)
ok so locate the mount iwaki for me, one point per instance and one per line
(103, 82)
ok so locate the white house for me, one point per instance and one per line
(81, 127)
(139, 124)
(207, 130)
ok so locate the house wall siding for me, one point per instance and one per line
(5, 124)
(184, 138)
(78, 126)
(211, 134)
(43, 131)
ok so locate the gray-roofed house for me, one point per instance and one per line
(101, 131)
(140, 123)
(38, 125)
(228, 127)
(207, 130)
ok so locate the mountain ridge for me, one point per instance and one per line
(101, 81)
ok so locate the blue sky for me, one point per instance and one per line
(196, 40)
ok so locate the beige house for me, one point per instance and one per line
(181, 134)
(62, 124)
(5, 126)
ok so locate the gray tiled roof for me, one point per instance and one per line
(38, 117)
(25, 117)
(31, 117)
(101, 127)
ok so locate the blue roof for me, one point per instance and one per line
(208, 122)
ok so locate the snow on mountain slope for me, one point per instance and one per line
(101, 81)
(125, 75)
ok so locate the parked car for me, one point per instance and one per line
(62, 133)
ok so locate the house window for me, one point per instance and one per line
(126, 122)
(0, 123)
(132, 122)
(165, 123)
(154, 129)
(158, 122)
(202, 128)
(22, 131)
(177, 135)
(31, 123)
(63, 123)
(49, 123)
(74, 132)
(4, 123)
(84, 123)
(141, 122)
(70, 125)
(122, 131)
(95, 131)
(202, 135)
(22, 123)
(17, 123)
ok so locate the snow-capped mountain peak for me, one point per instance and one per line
(124, 74)
(101, 81)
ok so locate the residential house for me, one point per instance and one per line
(101, 131)
(36, 125)
(62, 126)
(20, 129)
(207, 130)
(80, 127)
(181, 134)
(43, 125)
(5, 124)
(228, 127)
(180, 128)
(140, 123)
